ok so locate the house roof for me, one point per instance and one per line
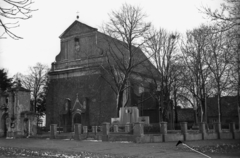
(18, 89)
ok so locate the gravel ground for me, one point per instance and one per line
(20, 152)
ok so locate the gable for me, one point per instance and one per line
(78, 107)
(77, 28)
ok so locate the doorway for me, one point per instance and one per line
(4, 124)
(77, 118)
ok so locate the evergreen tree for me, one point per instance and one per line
(5, 82)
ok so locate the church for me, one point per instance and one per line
(78, 92)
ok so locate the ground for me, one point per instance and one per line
(37, 148)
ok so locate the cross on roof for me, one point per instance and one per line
(77, 95)
(77, 15)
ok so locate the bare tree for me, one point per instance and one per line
(126, 29)
(10, 12)
(228, 20)
(217, 56)
(235, 69)
(161, 46)
(35, 81)
(198, 72)
(228, 17)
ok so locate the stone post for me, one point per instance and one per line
(233, 129)
(94, 129)
(77, 131)
(203, 130)
(85, 129)
(105, 131)
(115, 128)
(53, 131)
(218, 129)
(184, 130)
(138, 129)
(163, 130)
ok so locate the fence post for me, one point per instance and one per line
(85, 129)
(218, 129)
(105, 131)
(184, 130)
(233, 129)
(94, 129)
(53, 130)
(203, 130)
(115, 128)
(77, 131)
(163, 130)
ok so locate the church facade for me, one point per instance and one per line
(77, 91)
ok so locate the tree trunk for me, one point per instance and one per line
(196, 117)
(196, 112)
(119, 102)
(238, 105)
(175, 104)
(238, 88)
(219, 107)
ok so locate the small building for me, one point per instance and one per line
(16, 119)
(229, 109)
(229, 112)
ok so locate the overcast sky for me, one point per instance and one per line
(41, 33)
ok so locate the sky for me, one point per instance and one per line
(41, 33)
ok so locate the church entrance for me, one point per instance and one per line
(77, 118)
(26, 127)
(4, 124)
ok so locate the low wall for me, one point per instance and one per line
(211, 136)
(196, 136)
(138, 135)
(227, 135)
(121, 137)
(173, 137)
(149, 139)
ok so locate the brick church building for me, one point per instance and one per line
(77, 91)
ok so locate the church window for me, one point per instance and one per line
(77, 44)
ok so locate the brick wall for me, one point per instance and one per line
(100, 98)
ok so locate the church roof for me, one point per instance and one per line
(77, 27)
